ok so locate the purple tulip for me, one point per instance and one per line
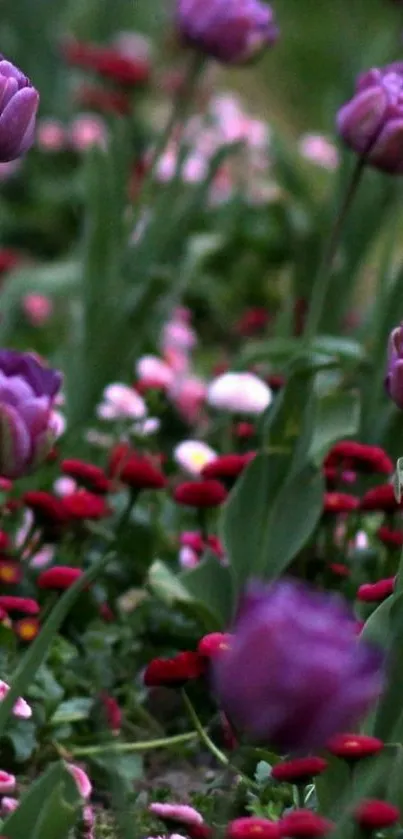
(296, 672)
(27, 430)
(18, 106)
(371, 123)
(394, 373)
(232, 31)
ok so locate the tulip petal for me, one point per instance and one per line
(15, 443)
(387, 152)
(14, 121)
(359, 121)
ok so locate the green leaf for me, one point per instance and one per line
(337, 416)
(377, 627)
(166, 585)
(173, 591)
(56, 817)
(25, 821)
(101, 333)
(22, 736)
(289, 426)
(388, 723)
(269, 517)
(72, 710)
(37, 651)
(210, 584)
(331, 785)
(126, 768)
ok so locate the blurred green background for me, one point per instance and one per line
(299, 84)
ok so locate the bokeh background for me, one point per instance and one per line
(300, 83)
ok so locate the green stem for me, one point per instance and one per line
(204, 737)
(221, 757)
(322, 280)
(140, 746)
(177, 116)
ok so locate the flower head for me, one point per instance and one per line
(59, 577)
(23, 605)
(353, 747)
(8, 782)
(27, 394)
(82, 780)
(121, 402)
(200, 494)
(251, 827)
(18, 106)
(239, 393)
(176, 671)
(304, 824)
(350, 455)
(374, 815)
(380, 498)
(371, 123)
(296, 672)
(339, 502)
(300, 770)
(178, 813)
(111, 62)
(394, 372)
(193, 456)
(376, 592)
(21, 708)
(90, 476)
(136, 470)
(232, 31)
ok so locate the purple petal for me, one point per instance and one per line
(14, 121)
(15, 443)
(44, 381)
(359, 121)
(387, 152)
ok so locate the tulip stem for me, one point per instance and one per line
(323, 276)
(140, 746)
(177, 115)
(204, 737)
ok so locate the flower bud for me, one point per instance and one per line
(231, 31)
(27, 393)
(18, 106)
(394, 372)
(326, 678)
(371, 123)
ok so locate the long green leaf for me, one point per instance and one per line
(56, 785)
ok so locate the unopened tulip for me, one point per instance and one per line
(371, 123)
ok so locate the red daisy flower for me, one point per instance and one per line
(90, 476)
(25, 605)
(305, 824)
(200, 494)
(339, 502)
(376, 592)
(300, 770)
(176, 671)
(376, 815)
(214, 644)
(380, 498)
(252, 827)
(59, 578)
(353, 747)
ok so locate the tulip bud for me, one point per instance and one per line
(371, 123)
(231, 31)
(394, 373)
(18, 106)
(27, 393)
